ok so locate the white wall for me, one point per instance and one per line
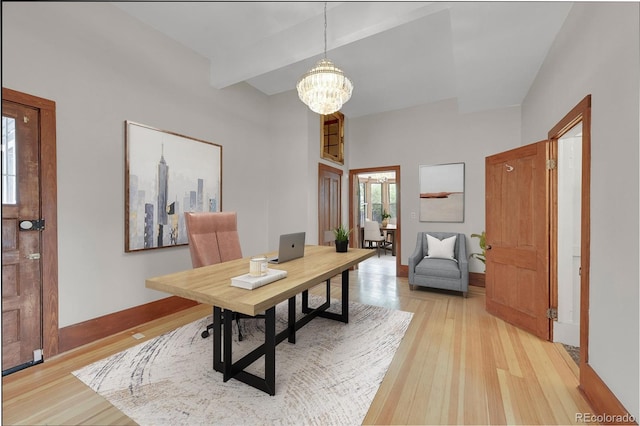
(291, 207)
(434, 134)
(597, 52)
(102, 67)
(567, 328)
(295, 133)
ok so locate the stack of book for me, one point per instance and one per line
(250, 282)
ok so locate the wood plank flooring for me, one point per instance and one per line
(456, 365)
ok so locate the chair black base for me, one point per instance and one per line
(236, 316)
(206, 333)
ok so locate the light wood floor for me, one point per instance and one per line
(456, 365)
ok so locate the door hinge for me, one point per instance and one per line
(551, 164)
(552, 313)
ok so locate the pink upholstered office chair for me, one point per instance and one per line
(213, 238)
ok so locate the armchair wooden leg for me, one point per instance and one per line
(464, 294)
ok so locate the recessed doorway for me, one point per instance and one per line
(566, 329)
(570, 234)
(374, 196)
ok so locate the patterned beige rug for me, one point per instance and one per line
(329, 377)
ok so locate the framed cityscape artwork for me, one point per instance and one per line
(442, 193)
(167, 174)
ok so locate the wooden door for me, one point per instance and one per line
(21, 237)
(329, 205)
(517, 220)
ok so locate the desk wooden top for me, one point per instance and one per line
(212, 284)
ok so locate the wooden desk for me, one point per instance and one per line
(212, 285)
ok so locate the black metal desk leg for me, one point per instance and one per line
(226, 345)
(305, 298)
(217, 339)
(292, 320)
(328, 291)
(270, 350)
(345, 296)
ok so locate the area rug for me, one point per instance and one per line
(574, 352)
(328, 377)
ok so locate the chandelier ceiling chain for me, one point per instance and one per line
(324, 88)
(325, 30)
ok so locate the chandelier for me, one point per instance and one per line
(324, 88)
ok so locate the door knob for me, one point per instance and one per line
(488, 246)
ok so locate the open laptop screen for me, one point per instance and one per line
(291, 247)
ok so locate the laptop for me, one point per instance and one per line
(291, 247)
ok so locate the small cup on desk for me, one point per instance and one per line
(258, 266)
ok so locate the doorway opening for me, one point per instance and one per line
(566, 329)
(570, 231)
(374, 196)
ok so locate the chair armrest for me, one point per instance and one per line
(462, 251)
(415, 257)
(463, 263)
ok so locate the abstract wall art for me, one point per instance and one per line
(442, 193)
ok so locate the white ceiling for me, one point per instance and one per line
(397, 54)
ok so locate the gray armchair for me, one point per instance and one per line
(440, 273)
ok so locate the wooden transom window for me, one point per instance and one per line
(332, 137)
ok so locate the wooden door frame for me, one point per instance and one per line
(49, 210)
(580, 113)
(353, 177)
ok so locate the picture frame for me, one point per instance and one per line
(167, 169)
(442, 193)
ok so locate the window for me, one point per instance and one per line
(9, 174)
(377, 195)
(376, 202)
(392, 200)
(363, 201)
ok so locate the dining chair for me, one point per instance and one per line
(390, 235)
(372, 234)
